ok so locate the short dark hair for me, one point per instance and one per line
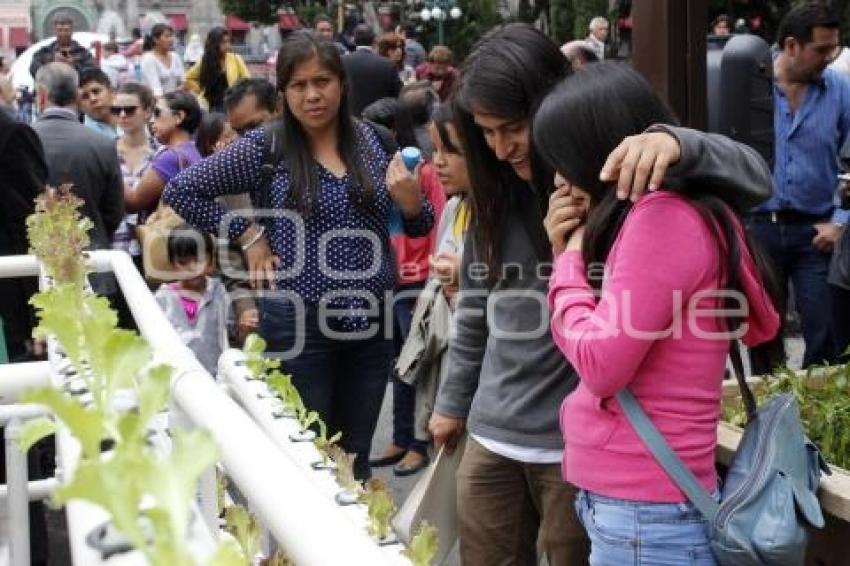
(409, 30)
(415, 104)
(64, 20)
(263, 90)
(722, 18)
(364, 35)
(179, 101)
(322, 18)
(94, 75)
(183, 243)
(159, 29)
(802, 20)
(382, 112)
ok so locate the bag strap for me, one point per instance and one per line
(746, 393)
(666, 457)
(273, 154)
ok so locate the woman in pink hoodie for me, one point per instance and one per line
(637, 295)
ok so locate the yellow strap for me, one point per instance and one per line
(461, 220)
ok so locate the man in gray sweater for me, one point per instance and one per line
(505, 378)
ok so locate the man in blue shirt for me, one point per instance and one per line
(800, 224)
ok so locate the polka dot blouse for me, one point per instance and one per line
(338, 255)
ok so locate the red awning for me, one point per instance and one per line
(19, 37)
(178, 22)
(236, 24)
(288, 21)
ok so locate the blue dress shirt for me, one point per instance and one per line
(807, 147)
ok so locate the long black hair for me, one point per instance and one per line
(297, 48)
(211, 60)
(209, 132)
(582, 120)
(442, 116)
(507, 74)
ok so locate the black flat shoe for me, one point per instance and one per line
(401, 470)
(387, 460)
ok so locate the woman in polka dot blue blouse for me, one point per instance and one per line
(323, 242)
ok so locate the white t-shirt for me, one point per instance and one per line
(524, 454)
(158, 77)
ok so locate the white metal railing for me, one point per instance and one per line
(298, 513)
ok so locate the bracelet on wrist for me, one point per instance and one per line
(255, 239)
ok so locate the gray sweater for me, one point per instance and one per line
(509, 387)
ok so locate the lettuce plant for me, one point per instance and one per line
(245, 529)
(381, 508)
(109, 360)
(423, 546)
(323, 443)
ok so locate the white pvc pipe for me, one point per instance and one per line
(16, 378)
(36, 489)
(17, 500)
(19, 266)
(23, 412)
(298, 515)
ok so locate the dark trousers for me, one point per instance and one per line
(794, 257)
(507, 510)
(404, 395)
(841, 320)
(343, 379)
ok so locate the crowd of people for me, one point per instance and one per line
(556, 238)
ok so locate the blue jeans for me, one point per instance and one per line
(343, 379)
(404, 395)
(793, 256)
(643, 534)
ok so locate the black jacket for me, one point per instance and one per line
(370, 78)
(23, 172)
(82, 57)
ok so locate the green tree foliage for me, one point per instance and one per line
(478, 17)
(583, 12)
(561, 15)
(260, 11)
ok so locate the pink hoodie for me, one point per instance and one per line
(651, 331)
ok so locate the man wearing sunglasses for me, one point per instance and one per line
(96, 96)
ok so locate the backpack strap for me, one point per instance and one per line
(385, 136)
(272, 156)
(746, 394)
(666, 457)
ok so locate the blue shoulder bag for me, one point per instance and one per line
(768, 501)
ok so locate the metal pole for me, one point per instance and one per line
(18, 500)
